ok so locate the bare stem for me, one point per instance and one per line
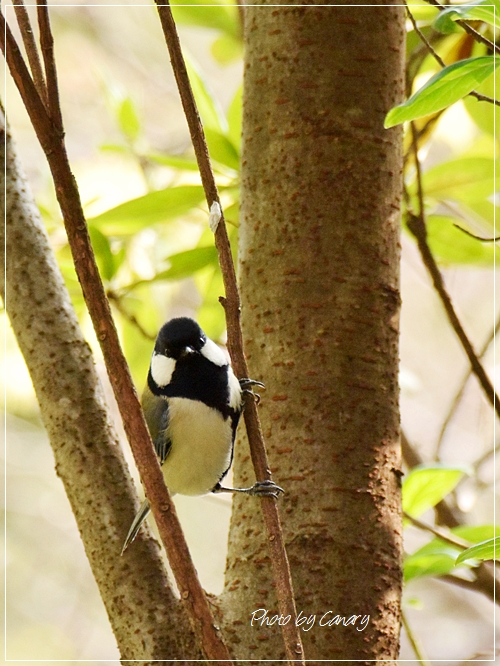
(231, 303)
(26, 30)
(416, 224)
(51, 140)
(474, 33)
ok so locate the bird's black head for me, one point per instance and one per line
(179, 337)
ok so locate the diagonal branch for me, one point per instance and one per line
(47, 48)
(24, 23)
(147, 463)
(437, 57)
(231, 303)
(463, 24)
(416, 224)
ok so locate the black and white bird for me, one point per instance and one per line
(192, 403)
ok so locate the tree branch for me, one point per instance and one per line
(463, 24)
(437, 57)
(51, 140)
(416, 224)
(24, 23)
(231, 303)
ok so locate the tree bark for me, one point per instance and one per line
(319, 274)
(147, 619)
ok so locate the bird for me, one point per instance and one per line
(192, 404)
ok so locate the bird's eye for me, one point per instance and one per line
(202, 341)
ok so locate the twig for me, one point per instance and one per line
(231, 303)
(133, 418)
(452, 540)
(437, 57)
(47, 47)
(117, 301)
(459, 393)
(26, 30)
(414, 642)
(463, 24)
(482, 240)
(416, 224)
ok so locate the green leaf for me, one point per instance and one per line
(449, 245)
(443, 89)
(102, 251)
(485, 115)
(438, 557)
(174, 161)
(221, 149)
(466, 178)
(227, 49)
(160, 206)
(208, 107)
(128, 119)
(234, 118)
(182, 265)
(485, 550)
(210, 14)
(425, 486)
(482, 10)
(430, 561)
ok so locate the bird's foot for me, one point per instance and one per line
(246, 388)
(259, 489)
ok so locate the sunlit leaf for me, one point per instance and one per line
(208, 106)
(160, 206)
(210, 14)
(221, 149)
(486, 550)
(102, 251)
(174, 161)
(481, 10)
(444, 89)
(485, 115)
(128, 119)
(469, 179)
(438, 557)
(425, 486)
(449, 245)
(234, 117)
(226, 49)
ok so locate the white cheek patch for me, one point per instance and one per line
(162, 369)
(213, 353)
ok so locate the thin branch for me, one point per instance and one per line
(463, 24)
(133, 418)
(482, 240)
(414, 642)
(47, 48)
(117, 301)
(459, 393)
(416, 224)
(23, 20)
(451, 539)
(437, 57)
(231, 303)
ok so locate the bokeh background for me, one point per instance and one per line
(127, 138)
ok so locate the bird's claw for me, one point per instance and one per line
(246, 388)
(265, 489)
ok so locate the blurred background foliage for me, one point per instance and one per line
(130, 151)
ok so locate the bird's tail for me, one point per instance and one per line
(136, 524)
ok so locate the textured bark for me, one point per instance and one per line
(319, 273)
(146, 618)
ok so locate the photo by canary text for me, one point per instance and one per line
(262, 618)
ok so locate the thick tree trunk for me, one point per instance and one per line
(319, 270)
(147, 619)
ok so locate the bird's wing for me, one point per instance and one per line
(156, 413)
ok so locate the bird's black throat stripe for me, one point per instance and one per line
(197, 378)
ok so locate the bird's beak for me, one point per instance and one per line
(187, 350)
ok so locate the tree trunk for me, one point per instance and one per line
(147, 619)
(319, 272)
